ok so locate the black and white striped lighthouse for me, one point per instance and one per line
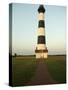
(41, 49)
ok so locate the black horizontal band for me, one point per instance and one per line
(41, 23)
(41, 40)
(41, 51)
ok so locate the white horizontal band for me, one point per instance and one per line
(41, 46)
(40, 16)
(41, 31)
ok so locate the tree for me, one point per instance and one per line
(15, 54)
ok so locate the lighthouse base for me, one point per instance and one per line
(41, 55)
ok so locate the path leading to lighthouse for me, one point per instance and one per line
(42, 76)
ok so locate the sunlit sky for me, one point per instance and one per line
(25, 25)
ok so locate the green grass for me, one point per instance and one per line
(23, 69)
(57, 68)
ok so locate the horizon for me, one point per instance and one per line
(34, 55)
(25, 25)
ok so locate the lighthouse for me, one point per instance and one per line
(41, 49)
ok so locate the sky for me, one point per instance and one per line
(25, 26)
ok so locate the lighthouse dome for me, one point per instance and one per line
(41, 9)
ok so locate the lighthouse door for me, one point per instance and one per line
(42, 55)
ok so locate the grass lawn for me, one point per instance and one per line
(57, 68)
(23, 69)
